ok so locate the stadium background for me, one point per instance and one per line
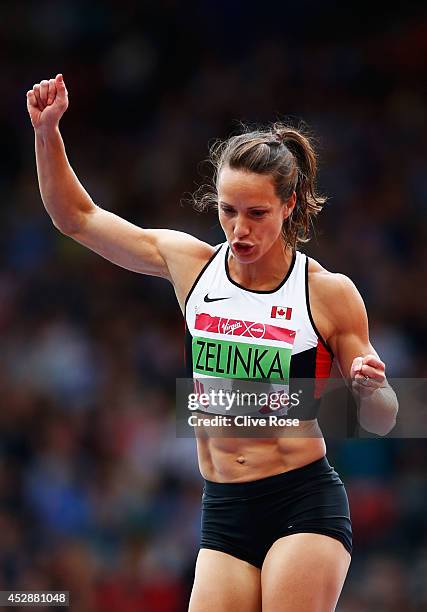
(97, 496)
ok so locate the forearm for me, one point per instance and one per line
(63, 196)
(377, 409)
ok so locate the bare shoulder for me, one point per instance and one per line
(329, 286)
(334, 298)
(185, 257)
(173, 241)
(179, 249)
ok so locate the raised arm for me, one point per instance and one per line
(164, 253)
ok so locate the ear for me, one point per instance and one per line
(289, 205)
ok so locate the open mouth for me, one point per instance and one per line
(241, 248)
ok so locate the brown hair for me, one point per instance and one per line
(288, 155)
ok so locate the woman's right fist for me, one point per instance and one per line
(47, 102)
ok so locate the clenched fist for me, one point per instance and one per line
(47, 102)
(368, 373)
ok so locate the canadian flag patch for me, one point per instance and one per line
(281, 312)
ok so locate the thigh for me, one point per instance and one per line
(304, 572)
(223, 582)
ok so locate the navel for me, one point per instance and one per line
(240, 459)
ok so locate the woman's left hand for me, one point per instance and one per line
(368, 373)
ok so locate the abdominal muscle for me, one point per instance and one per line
(228, 459)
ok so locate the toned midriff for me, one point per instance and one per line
(223, 458)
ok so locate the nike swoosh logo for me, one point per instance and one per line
(208, 299)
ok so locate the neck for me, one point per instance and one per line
(264, 274)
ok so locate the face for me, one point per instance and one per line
(250, 213)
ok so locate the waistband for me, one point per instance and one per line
(266, 485)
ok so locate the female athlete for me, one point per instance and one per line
(276, 530)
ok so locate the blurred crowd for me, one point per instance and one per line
(97, 494)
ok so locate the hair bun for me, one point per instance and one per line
(279, 136)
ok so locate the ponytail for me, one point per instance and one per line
(308, 203)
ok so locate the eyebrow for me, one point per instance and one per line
(249, 208)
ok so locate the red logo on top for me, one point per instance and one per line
(238, 327)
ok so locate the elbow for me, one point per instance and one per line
(379, 430)
(60, 227)
(67, 227)
(384, 431)
(379, 426)
(378, 412)
(393, 421)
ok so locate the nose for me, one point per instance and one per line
(241, 228)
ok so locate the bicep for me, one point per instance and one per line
(350, 337)
(121, 242)
(147, 251)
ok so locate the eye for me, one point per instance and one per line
(258, 213)
(227, 210)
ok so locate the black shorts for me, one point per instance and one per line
(244, 519)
